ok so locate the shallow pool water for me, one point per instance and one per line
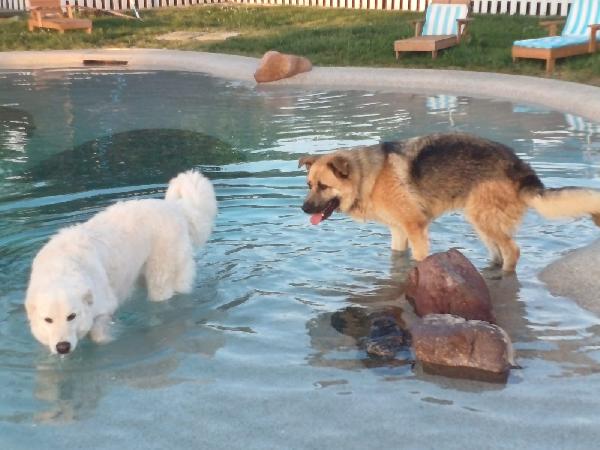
(265, 352)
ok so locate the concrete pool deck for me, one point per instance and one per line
(574, 98)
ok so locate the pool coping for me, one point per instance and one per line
(559, 95)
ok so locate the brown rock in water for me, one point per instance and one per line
(447, 283)
(452, 346)
(276, 66)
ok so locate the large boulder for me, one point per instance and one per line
(452, 346)
(576, 276)
(276, 66)
(447, 283)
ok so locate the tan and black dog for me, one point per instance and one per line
(407, 184)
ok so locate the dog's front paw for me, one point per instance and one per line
(100, 332)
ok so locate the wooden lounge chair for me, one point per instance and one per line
(579, 36)
(445, 25)
(49, 14)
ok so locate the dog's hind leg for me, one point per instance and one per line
(493, 249)
(509, 251)
(159, 273)
(495, 209)
(496, 241)
(186, 271)
(399, 239)
(170, 268)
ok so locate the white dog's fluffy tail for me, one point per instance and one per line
(566, 202)
(196, 196)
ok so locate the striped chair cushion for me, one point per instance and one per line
(582, 14)
(441, 19)
(553, 42)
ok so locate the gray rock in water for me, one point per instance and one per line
(447, 283)
(452, 346)
(576, 276)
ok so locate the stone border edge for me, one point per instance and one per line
(559, 95)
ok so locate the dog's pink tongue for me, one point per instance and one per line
(316, 219)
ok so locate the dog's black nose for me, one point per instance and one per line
(63, 347)
(308, 208)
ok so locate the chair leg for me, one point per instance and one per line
(434, 54)
(514, 59)
(550, 65)
(88, 30)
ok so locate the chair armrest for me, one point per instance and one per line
(36, 14)
(462, 27)
(552, 26)
(594, 29)
(418, 26)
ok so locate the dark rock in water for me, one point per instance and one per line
(132, 157)
(452, 346)
(385, 337)
(379, 333)
(447, 283)
(352, 321)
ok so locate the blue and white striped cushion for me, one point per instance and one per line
(441, 19)
(441, 103)
(582, 14)
(553, 42)
(577, 123)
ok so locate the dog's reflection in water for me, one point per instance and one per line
(71, 389)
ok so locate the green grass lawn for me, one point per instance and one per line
(329, 37)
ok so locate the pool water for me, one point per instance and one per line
(265, 352)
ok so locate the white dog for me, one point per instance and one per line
(80, 277)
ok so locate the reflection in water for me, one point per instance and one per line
(141, 357)
(16, 126)
(137, 157)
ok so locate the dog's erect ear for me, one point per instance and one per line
(88, 298)
(340, 166)
(307, 161)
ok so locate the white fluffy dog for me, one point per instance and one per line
(80, 277)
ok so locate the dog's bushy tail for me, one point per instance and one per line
(566, 202)
(196, 195)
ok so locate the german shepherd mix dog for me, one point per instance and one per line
(407, 184)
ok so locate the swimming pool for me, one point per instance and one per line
(264, 352)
